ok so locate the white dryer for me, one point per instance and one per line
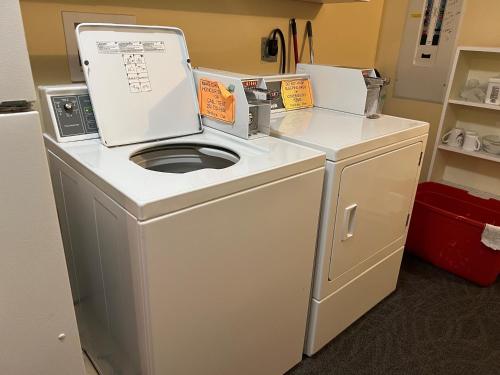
(188, 248)
(372, 171)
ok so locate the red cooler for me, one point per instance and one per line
(446, 228)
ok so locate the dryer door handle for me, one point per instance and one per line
(349, 221)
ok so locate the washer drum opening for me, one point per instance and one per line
(184, 158)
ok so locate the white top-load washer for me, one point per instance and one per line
(371, 176)
(188, 249)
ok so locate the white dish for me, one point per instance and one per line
(491, 144)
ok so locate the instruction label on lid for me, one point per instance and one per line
(137, 72)
(296, 93)
(130, 46)
(216, 101)
(134, 60)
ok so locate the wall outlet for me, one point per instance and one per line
(263, 52)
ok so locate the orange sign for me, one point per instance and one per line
(215, 101)
(296, 93)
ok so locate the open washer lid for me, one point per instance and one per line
(140, 82)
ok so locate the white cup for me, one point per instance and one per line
(472, 141)
(455, 137)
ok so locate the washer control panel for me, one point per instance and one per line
(74, 115)
(67, 112)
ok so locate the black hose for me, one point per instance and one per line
(283, 49)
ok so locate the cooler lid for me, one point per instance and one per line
(140, 82)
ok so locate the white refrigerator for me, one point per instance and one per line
(38, 332)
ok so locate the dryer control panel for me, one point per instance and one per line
(67, 113)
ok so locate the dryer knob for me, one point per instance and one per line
(68, 107)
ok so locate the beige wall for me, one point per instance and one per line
(223, 34)
(479, 28)
(481, 23)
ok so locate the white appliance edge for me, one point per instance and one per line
(37, 319)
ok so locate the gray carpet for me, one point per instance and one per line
(435, 323)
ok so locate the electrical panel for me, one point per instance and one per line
(427, 49)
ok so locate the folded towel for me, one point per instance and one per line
(491, 236)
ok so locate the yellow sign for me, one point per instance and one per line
(296, 93)
(215, 101)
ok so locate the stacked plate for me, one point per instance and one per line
(491, 144)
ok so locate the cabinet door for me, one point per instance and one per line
(373, 206)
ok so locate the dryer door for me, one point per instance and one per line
(374, 201)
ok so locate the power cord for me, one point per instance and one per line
(272, 48)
